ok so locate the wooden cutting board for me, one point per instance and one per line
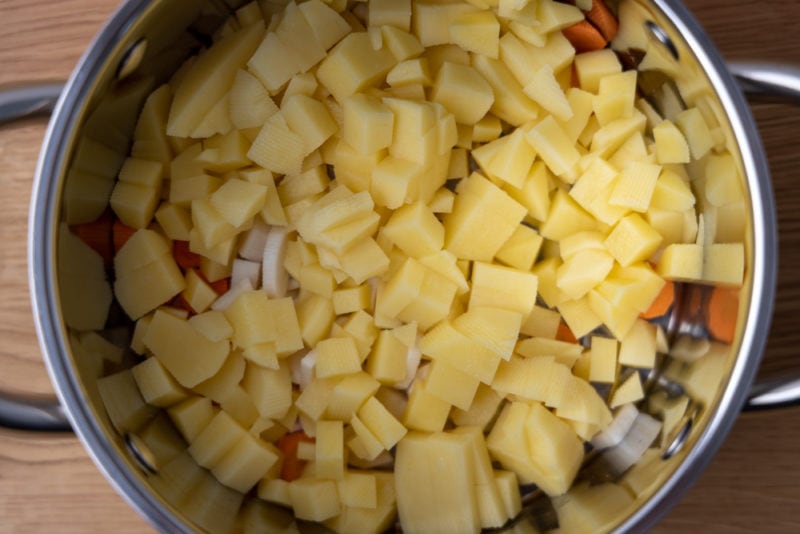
(49, 483)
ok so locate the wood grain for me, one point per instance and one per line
(49, 483)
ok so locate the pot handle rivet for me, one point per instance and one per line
(660, 35)
(132, 59)
(141, 453)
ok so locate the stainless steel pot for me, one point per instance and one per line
(145, 41)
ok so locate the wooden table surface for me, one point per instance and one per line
(48, 482)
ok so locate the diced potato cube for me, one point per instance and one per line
(134, 203)
(415, 230)
(270, 389)
(671, 145)
(408, 73)
(435, 479)
(187, 354)
(368, 123)
(635, 185)
(238, 201)
(591, 67)
(277, 148)
(358, 490)
(381, 423)
(314, 499)
(615, 97)
(477, 32)
(349, 300)
(365, 444)
(432, 20)
(482, 410)
(723, 184)
(310, 119)
(628, 391)
(696, 131)
(565, 218)
(364, 260)
(246, 463)
(503, 287)
(512, 160)
(632, 240)
(208, 78)
(336, 357)
(672, 192)
(537, 446)
(349, 394)
(425, 411)
(681, 262)
(352, 65)
(445, 342)
(387, 361)
(483, 218)
(554, 147)
(545, 90)
(583, 271)
(603, 360)
(579, 316)
(157, 386)
(216, 439)
(174, 220)
(249, 103)
(327, 25)
(451, 385)
(329, 450)
(463, 91)
(638, 347)
(198, 294)
(724, 264)
(191, 416)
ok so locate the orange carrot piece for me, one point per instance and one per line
(584, 37)
(603, 19)
(292, 467)
(723, 311)
(565, 334)
(97, 234)
(662, 303)
(221, 287)
(185, 258)
(121, 234)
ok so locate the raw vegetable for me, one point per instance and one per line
(399, 254)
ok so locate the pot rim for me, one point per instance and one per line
(51, 330)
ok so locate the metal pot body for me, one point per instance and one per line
(90, 133)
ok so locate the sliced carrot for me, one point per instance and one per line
(292, 467)
(185, 258)
(722, 313)
(121, 233)
(603, 19)
(662, 303)
(97, 234)
(565, 334)
(584, 37)
(221, 287)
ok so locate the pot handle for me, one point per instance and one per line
(18, 411)
(765, 81)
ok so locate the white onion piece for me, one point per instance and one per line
(252, 244)
(302, 368)
(617, 429)
(227, 298)
(643, 432)
(246, 270)
(275, 278)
